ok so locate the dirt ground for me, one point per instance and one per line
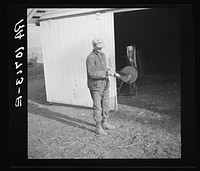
(148, 125)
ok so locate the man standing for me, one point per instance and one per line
(98, 83)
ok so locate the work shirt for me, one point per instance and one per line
(96, 71)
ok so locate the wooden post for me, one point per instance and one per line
(134, 56)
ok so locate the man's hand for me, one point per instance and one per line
(110, 72)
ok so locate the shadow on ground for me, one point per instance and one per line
(70, 121)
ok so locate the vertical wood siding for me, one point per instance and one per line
(66, 43)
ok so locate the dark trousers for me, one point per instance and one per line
(101, 104)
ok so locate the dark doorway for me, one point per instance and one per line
(156, 35)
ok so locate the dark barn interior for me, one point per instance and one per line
(156, 35)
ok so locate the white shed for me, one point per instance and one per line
(66, 42)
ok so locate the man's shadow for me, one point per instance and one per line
(74, 122)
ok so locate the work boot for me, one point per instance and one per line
(106, 125)
(99, 129)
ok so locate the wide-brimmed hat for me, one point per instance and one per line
(98, 42)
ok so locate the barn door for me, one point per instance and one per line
(66, 43)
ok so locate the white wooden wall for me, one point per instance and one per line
(66, 43)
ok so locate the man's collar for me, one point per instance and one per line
(96, 52)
